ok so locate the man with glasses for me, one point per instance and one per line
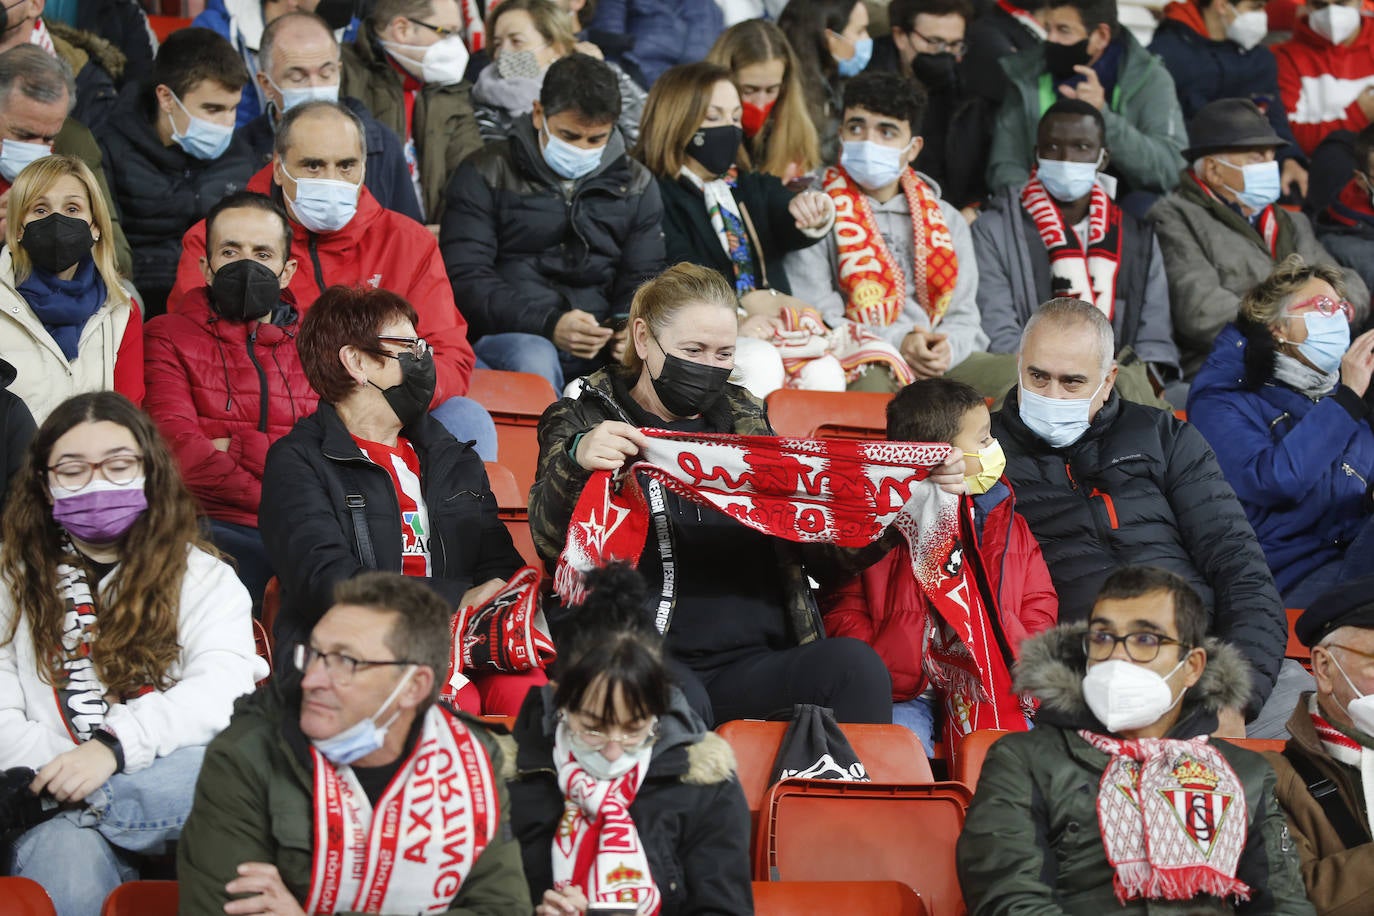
(349, 789)
(1117, 801)
(1320, 781)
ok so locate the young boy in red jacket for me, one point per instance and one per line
(886, 608)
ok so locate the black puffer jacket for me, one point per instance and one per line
(690, 811)
(16, 431)
(308, 527)
(521, 250)
(1143, 488)
(161, 191)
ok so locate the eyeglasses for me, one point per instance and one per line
(594, 740)
(120, 470)
(1325, 305)
(418, 347)
(940, 46)
(1142, 646)
(338, 666)
(1368, 656)
(436, 29)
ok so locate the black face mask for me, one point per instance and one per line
(410, 399)
(57, 241)
(244, 291)
(716, 147)
(687, 388)
(336, 13)
(1061, 59)
(937, 71)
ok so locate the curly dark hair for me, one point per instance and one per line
(888, 94)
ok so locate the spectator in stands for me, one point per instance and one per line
(96, 64)
(372, 481)
(598, 42)
(1325, 71)
(1281, 400)
(122, 23)
(16, 430)
(1001, 31)
(406, 66)
(1106, 483)
(614, 745)
(663, 33)
(917, 288)
(1088, 56)
(745, 638)
(778, 131)
(1221, 231)
(343, 237)
(298, 61)
(1213, 50)
(1342, 198)
(547, 234)
(125, 644)
(527, 36)
(886, 608)
(1118, 783)
(1320, 784)
(36, 92)
(223, 377)
(267, 832)
(1061, 234)
(832, 44)
(67, 323)
(167, 152)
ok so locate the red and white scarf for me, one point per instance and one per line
(414, 851)
(1267, 225)
(80, 696)
(39, 36)
(1025, 18)
(1346, 750)
(1173, 818)
(506, 633)
(597, 847)
(1090, 275)
(804, 337)
(871, 280)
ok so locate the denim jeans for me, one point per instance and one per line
(83, 854)
(468, 421)
(918, 715)
(517, 352)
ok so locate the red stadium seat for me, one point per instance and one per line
(516, 401)
(163, 26)
(262, 640)
(828, 414)
(1259, 745)
(829, 898)
(142, 898)
(25, 897)
(1296, 650)
(511, 507)
(271, 603)
(968, 757)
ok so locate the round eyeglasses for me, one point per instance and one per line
(593, 740)
(120, 470)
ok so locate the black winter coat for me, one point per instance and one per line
(1143, 488)
(991, 37)
(690, 236)
(160, 191)
(690, 811)
(16, 431)
(308, 527)
(521, 250)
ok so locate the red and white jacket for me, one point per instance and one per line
(1319, 82)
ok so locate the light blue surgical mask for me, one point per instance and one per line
(15, 154)
(203, 139)
(1328, 337)
(873, 165)
(323, 204)
(363, 737)
(863, 53)
(1262, 186)
(1059, 421)
(571, 162)
(292, 97)
(1067, 181)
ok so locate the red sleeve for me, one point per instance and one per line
(846, 613)
(440, 322)
(1309, 135)
(1039, 601)
(128, 370)
(189, 276)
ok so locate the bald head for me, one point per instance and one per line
(1067, 354)
(1075, 315)
(319, 130)
(292, 35)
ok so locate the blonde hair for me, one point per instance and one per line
(789, 135)
(551, 22)
(659, 299)
(676, 107)
(1266, 300)
(35, 181)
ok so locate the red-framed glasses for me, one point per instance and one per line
(1325, 305)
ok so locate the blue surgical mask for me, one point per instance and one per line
(15, 154)
(323, 204)
(1067, 181)
(863, 53)
(873, 165)
(292, 97)
(1262, 186)
(203, 139)
(1328, 337)
(1059, 421)
(571, 162)
(364, 736)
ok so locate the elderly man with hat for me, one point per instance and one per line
(1221, 230)
(1326, 772)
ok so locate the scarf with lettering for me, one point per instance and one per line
(871, 280)
(1346, 750)
(506, 633)
(1074, 273)
(80, 695)
(1173, 818)
(412, 853)
(597, 846)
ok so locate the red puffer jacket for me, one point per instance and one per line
(205, 378)
(883, 607)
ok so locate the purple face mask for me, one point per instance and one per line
(101, 512)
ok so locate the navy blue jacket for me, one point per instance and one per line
(1300, 468)
(665, 32)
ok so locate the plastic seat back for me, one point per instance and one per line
(513, 510)
(828, 414)
(271, 603)
(262, 641)
(825, 830)
(968, 757)
(830, 898)
(516, 401)
(25, 897)
(142, 898)
(1259, 745)
(1296, 650)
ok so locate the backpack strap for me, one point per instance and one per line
(1328, 795)
(357, 507)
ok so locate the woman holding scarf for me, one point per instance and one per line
(67, 323)
(1283, 401)
(123, 645)
(632, 766)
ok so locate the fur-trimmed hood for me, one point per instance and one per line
(81, 46)
(1052, 666)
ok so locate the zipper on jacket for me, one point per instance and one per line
(1351, 472)
(314, 246)
(262, 380)
(1068, 471)
(1110, 506)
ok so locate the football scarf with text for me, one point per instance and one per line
(1074, 273)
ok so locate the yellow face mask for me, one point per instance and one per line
(993, 461)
